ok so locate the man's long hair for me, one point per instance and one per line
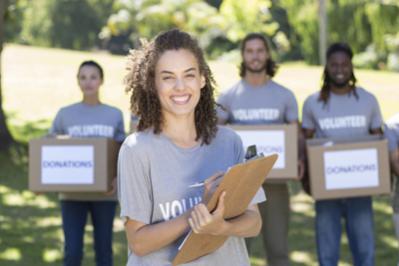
(271, 66)
(326, 87)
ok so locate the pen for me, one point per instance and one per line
(201, 184)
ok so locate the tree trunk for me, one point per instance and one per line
(5, 135)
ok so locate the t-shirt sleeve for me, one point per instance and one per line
(238, 150)
(57, 125)
(120, 129)
(134, 186)
(291, 113)
(223, 111)
(307, 116)
(376, 120)
(259, 197)
(392, 137)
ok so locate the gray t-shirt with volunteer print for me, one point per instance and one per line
(391, 132)
(344, 117)
(81, 120)
(266, 104)
(154, 178)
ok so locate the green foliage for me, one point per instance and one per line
(369, 27)
(392, 42)
(76, 24)
(367, 59)
(36, 23)
(71, 24)
(383, 20)
(216, 30)
(302, 15)
(147, 18)
(286, 38)
(214, 3)
(241, 19)
(13, 18)
(348, 22)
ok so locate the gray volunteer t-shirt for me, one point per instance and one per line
(81, 120)
(344, 117)
(267, 104)
(154, 176)
(391, 132)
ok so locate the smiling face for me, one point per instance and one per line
(178, 82)
(255, 56)
(339, 69)
(89, 80)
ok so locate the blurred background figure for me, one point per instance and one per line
(258, 100)
(89, 118)
(323, 112)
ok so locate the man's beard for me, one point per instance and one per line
(339, 85)
(260, 69)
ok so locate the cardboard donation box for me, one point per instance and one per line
(341, 169)
(72, 165)
(281, 139)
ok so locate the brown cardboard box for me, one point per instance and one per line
(281, 139)
(72, 165)
(341, 169)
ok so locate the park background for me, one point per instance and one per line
(44, 41)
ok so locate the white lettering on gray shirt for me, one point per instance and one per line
(91, 130)
(353, 121)
(172, 209)
(270, 103)
(256, 114)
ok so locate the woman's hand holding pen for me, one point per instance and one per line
(202, 221)
(210, 185)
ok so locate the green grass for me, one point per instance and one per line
(38, 81)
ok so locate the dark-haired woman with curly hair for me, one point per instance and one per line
(177, 144)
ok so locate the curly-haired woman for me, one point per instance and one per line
(177, 144)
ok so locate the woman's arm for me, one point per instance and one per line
(146, 238)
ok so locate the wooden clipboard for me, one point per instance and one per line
(241, 183)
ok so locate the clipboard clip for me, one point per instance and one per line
(252, 153)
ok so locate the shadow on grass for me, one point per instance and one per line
(30, 224)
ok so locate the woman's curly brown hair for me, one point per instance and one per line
(140, 81)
